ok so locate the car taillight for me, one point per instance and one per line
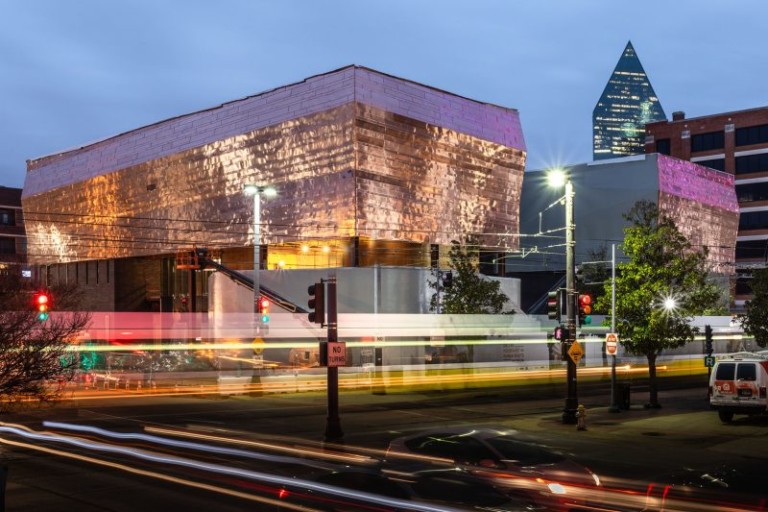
(762, 392)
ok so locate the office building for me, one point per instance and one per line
(737, 143)
(13, 241)
(626, 105)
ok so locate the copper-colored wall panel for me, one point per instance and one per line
(705, 226)
(423, 183)
(412, 181)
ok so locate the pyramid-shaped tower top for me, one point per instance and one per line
(627, 104)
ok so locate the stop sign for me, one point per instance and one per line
(611, 343)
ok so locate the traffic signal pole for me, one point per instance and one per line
(333, 430)
(572, 399)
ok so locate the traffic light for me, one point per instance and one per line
(264, 310)
(448, 279)
(708, 339)
(316, 303)
(585, 309)
(554, 304)
(42, 305)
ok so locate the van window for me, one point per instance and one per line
(725, 371)
(747, 371)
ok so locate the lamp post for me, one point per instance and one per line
(572, 398)
(257, 191)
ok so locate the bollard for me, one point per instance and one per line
(581, 418)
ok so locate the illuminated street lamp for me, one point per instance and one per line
(257, 192)
(557, 178)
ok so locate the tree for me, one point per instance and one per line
(469, 293)
(754, 320)
(592, 274)
(658, 291)
(34, 352)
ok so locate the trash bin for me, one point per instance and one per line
(623, 395)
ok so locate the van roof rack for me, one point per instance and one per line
(763, 354)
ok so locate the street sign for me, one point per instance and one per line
(337, 354)
(258, 346)
(611, 343)
(709, 361)
(576, 352)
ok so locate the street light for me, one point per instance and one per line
(558, 178)
(257, 192)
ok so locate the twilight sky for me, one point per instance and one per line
(76, 71)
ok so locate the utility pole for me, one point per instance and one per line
(333, 430)
(614, 406)
(572, 399)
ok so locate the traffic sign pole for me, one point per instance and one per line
(611, 347)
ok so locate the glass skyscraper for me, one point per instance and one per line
(628, 102)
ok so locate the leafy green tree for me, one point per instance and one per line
(754, 320)
(593, 273)
(469, 292)
(33, 353)
(658, 291)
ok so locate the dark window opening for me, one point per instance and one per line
(752, 192)
(746, 371)
(753, 220)
(752, 135)
(663, 146)
(717, 164)
(726, 371)
(752, 163)
(752, 250)
(707, 141)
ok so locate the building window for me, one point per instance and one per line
(707, 141)
(663, 146)
(752, 250)
(7, 217)
(717, 164)
(752, 192)
(753, 220)
(752, 163)
(7, 246)
(752, 135)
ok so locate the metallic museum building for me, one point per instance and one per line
(701, 201)
(369, 169)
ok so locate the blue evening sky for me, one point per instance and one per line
(76, 71)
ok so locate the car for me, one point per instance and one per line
(723, 487)
(359, 489)
(738, 385)
(503, 458)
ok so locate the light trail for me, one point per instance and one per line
(213, 468)
(197, 446)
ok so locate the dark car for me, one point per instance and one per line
(740, 487)
(361, 489)
(505, 460)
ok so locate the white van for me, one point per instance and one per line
(738, 385)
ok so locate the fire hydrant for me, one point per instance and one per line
(581, 418)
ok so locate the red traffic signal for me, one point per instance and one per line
(585, 308)
(264, 310)
(42, 303)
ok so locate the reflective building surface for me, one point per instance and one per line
(358, 158)
(627, 104)
(701, 201)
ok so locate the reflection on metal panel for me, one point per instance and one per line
(703, 204)
(353, 170)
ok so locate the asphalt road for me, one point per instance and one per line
(635, 446)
